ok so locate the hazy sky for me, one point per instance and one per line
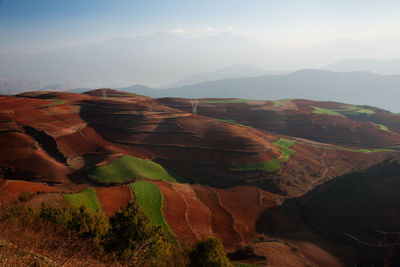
(35, 25)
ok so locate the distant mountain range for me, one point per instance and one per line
(163, 59)
(11, 87)
(380, 66)
(350, 87)
(230, 72)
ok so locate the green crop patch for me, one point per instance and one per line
(127, 168)
(349, 111)
(86, 197)
(320, 111)
(384, 128)
(359, 150)
(150, 199)
(58, 102)
(225, 101)
(232, 122)
(284, 144)
(273, 164)
(365, 150)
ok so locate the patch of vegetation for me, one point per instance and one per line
(360, 150)
(126, 239)
(58, 102)
(232, 122)
(135, 240)
(25, 196)
(208, 252)
(384, 128)
(127, 168)
(149, 197)
(365, 150)
(273, 164)
(349, 111)
(225, 101)
(320, 111)
(81, 220)
(284, 144)
(86, 197)
(278, 104)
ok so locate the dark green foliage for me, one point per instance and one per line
(87, 224)
(25, 196)
(133, 239)
(209, 252)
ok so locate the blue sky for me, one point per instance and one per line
(35, 25)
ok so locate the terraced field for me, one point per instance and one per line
(271, 165)
(127, 168)
(86, 197)
(149, 197)
(236, 175)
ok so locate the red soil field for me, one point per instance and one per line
(76, 144)
(222, 222)
(12, 189)
(175, 212)
(243, 202)
(113, 198)
(280, 254)
(198, 214)
(34, 164)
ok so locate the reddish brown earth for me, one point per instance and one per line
(10, 190)
(295, 118)
(175, 212)
(198, 214)
(222, 221)
(58, 144)
(246, 211)
(113, 198)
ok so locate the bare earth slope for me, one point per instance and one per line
(241, 160)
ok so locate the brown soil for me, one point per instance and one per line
(175, 212)
(246, 211)
(222, 222)
(279, 253)
(113, 198)
(13, 189)
(198, 214)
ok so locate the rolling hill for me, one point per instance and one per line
(228, 171)
(363, 88)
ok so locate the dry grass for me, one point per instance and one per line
(23, 240)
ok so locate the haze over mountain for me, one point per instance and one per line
(161, 59)
(364, 88)
(234, 71)
(380, 66)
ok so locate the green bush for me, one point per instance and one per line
(86, 223)
(134, 240)
(209, 252)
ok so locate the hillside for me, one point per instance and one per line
(360, 87)
(224, 171)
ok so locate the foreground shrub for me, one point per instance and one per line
(134, 240)
(87, 224)
(209, 252)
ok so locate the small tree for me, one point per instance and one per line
(134, 240)
(209, 252)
